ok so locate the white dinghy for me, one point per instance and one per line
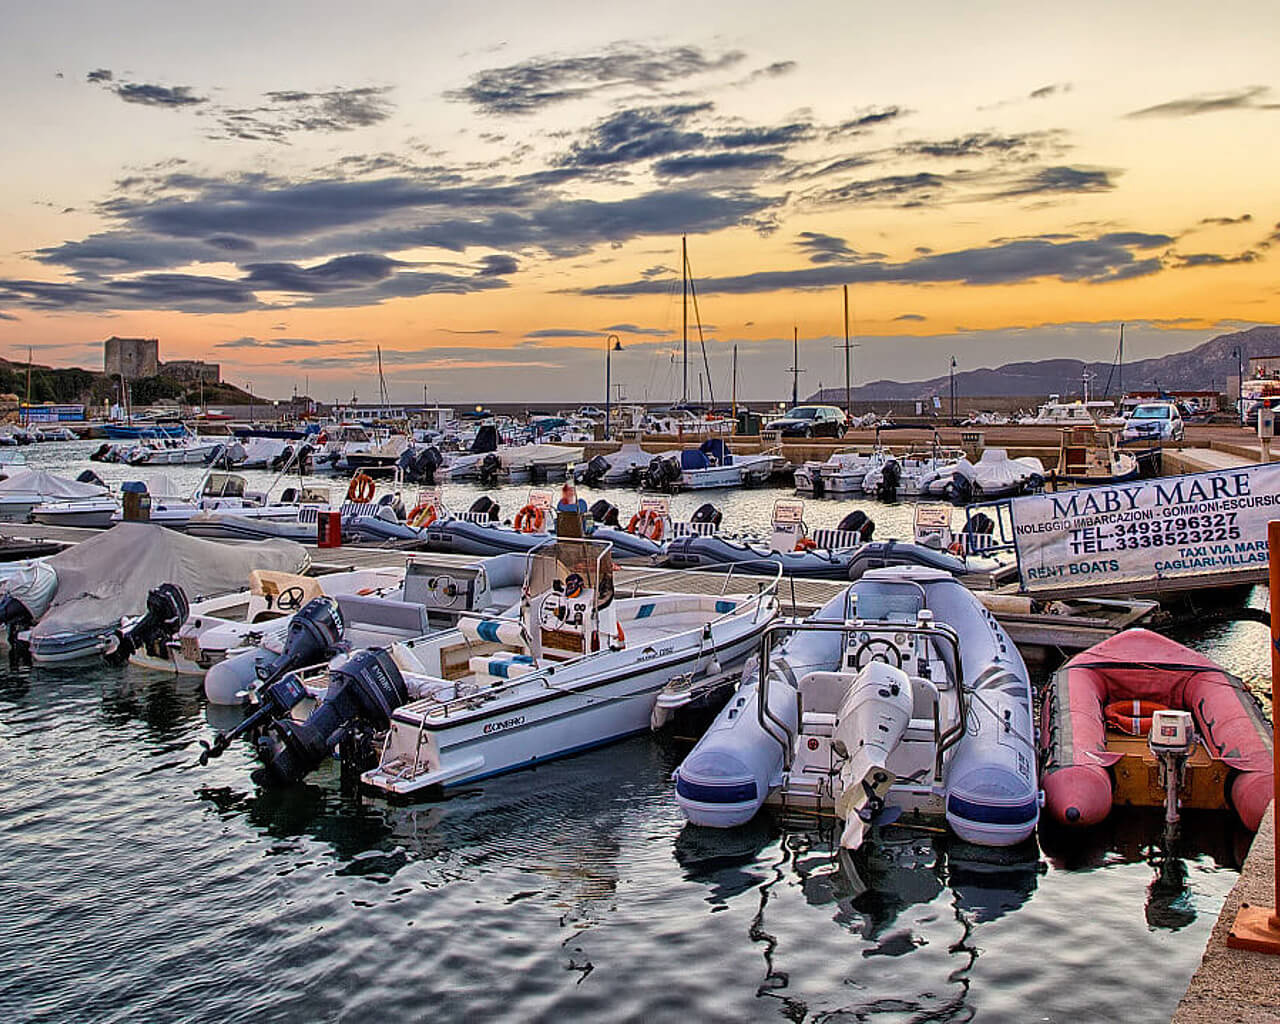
(901, 696)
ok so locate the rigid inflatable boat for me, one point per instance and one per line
(1099, 707)
(903, 692)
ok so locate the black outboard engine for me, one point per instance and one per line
(362, 695)
(486, 506)
(860, 523)
(393, 502)
(90, 477)
(707, 513)
(490, 467)
(593, 475)
(960, 490)
(101, 454)
(661, 474)
(889, 481)
(605, 513)
(315, 635)
(425, 464)
(167, 610)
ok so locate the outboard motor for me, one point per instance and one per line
(490, 467)
(88, 476)
(486, 506)
(593, 475)
(707, 513)
(362, 695)
(858, 522)
(661, 474)
(960, 490)
(101, 454)
(26, 597)
(605, 513)
(315, 635)
(283, 458)
(167, 610)
(890, 479)
(392, 502)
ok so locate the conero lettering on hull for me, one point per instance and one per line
(1169, 527)
(506, 723)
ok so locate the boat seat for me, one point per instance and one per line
(823, 692)
(835, 540)
(502, 665)
(815, 723)
(380, 613)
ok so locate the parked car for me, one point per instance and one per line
(810, 421)
(1155, 421)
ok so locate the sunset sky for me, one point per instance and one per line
(488, 191)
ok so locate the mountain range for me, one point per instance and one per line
(1204, 367)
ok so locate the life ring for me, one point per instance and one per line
(361, 488)
(806, 544)
(530, 519)
(422, 515)
(1132, 716)
(646, 523)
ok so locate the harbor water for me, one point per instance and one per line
(139, 886)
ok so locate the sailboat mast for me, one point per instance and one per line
(1120, 376)
(848, 388)
(684, 281)
(735, 384)
(27, 418)
(795, 366)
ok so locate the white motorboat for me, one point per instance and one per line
(576, 666)
(98, 513)
(25, 489)
(621, 467)
(1057, 413)
(841, 473)
(994, 475)
(711, 465)
(168, 452)
(910, 475)
(903, 695)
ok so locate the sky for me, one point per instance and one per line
(487, 194)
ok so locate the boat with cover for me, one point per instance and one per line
(25, 489)
(902, 696)
(1096, 721)
(574, 666)
(994, 475)
(710, 465)
(106, 579)
(841, 473)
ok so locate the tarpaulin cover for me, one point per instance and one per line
(46, 485)
(106, 578)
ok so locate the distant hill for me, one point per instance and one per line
(1191, 370)
(90, 387)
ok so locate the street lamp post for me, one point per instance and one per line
(1239, 386)
(612, 344)
(953, 390)
(251, 420)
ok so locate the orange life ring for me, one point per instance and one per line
(361, 488)
(806, 544)
(647, 524)
(530, 519)
(422, 515)
(1132, 716)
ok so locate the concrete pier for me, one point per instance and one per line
(1234, 986)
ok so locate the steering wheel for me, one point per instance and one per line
(877, 649)
(552, 613)
(448, 587)
(289, 599)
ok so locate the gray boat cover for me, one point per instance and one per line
(106, 578)
(48, 486)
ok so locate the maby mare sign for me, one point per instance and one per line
(1200, 524)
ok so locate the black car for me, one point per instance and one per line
(810, 421)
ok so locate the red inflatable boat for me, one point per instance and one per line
(1098, 707)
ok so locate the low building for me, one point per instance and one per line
(1195, 401)
(131, 358)
(192, 370)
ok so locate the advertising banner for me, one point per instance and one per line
(1200, 524)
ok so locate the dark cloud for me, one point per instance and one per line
(1213, 259)
(1025, 144)
(859, 124)
(778, 135)
(639, 133)
(653, 332)
(1223, 222)
(287, 343)
(231, 243)
(822, 248)
(289, 112)
(774, 70)
(1092, 261)
(497, 265)
(911, 317)
(151, 95)
(485, 330)
(1045, 91)
(344, 272)
(1051, 180)
(562, 332)
(706, 163)
(7, 316)
(100, 75)
(1210, 103)
(541, 82)
(909, 189)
